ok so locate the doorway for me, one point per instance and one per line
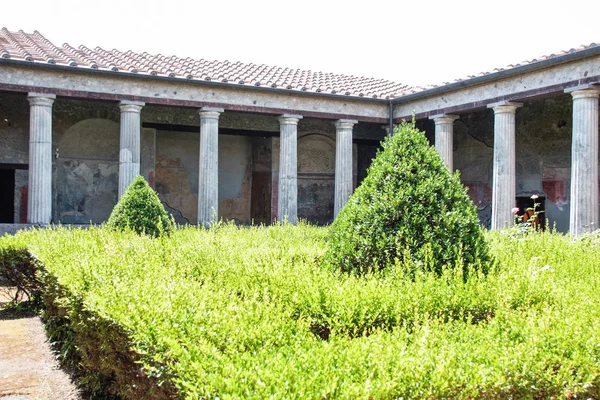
(7, 195)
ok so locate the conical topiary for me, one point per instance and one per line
(140, 210)
(408, 208)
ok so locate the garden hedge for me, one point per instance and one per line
(235, 313)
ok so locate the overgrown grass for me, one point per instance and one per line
(251, 313)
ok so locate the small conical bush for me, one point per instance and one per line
(140, 210)
(409, 208)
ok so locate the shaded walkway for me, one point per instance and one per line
(28, 369)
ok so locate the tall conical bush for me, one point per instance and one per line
(140, 210)
(408, 208)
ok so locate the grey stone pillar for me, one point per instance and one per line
(129, 153)
(39, 203)
(343, 163)
(208, 173)
(504, 175)
(584, 160)
(444, 137)
(287, 193)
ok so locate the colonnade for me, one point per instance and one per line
(40, 160)
(584, 159)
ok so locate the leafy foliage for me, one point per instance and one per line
(409, 208)
(140, 210)
(253, 314)
(18, 273)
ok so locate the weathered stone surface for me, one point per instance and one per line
(39, 202)
(275, 151)
(343, 164)
(177, 155)
(287, 206)
(504, 179)
(235, 178)
(543, 156)
(148, 155)
(584, 162)
(462, 99)
(14, 129)
(208, 175)
(316, 178)
(87, 171)
(260, 204)
(129, 148)
(177, 174)
(444, 137)
(193, 92)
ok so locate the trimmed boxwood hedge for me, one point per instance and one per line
(140, 210)
(409, 210)
(252, 313)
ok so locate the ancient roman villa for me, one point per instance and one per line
(254, 143)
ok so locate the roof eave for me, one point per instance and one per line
(227, 85)
(593, 51)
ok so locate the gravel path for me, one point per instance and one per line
(28, 369)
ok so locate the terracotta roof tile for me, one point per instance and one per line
(34, 47)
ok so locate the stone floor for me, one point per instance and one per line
(28, 368)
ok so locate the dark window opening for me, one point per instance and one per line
(7, 196)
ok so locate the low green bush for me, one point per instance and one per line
(409, 208)
(251, 313)
(140, 210)
(18, 273)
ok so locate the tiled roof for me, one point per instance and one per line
(36, 48)
(526, 62)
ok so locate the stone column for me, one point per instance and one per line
(504, 176)
(343, 163)
(39, 203)
(208, 173)
(444, 137)
(584, 160)
(129, 153)
(287, 193)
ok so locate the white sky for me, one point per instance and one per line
(417, 42)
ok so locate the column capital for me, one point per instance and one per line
(289, 119)
(444, 118)
(345, 123)
(584, 91)
(210, 112)
(503, 107)
(131, 106)
(41, 99)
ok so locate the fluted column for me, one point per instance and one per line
(504, 176)
(343, 163)
(584, 160)
(39, 203)
(287, 193)
(129, 153)
(208, 173)
(444, 137)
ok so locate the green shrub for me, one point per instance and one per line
(140, 210)
(18, 273)
(408, 208)
(253, 314)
